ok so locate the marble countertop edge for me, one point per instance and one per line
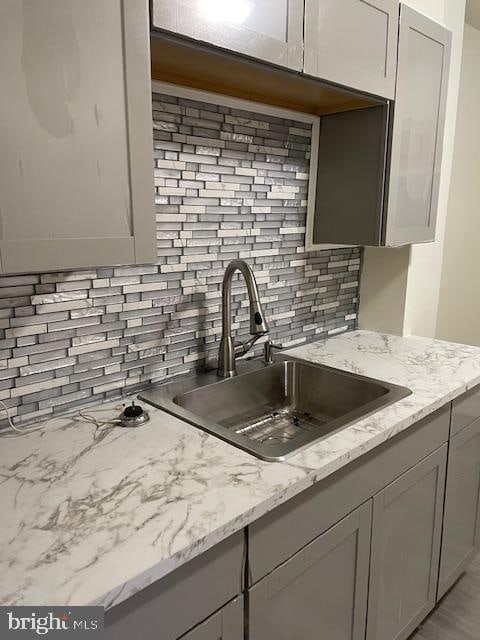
(94, 516)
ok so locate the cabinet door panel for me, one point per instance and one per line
(76, 179)
(406, 531)
(461, 528)
(418, 128)
(270, 30)
(351, 151)
(226, 624)
(321, 591)
(353, 42)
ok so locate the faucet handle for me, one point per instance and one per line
(268, 348)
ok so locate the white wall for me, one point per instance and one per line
(383, 286)
(459, 308)
(411, 276)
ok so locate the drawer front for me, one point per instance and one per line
(175, 604)
(465, 410)
(322, 591)
(281, 533)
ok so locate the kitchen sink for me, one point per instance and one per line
(273, 411)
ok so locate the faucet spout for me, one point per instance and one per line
(258, 324)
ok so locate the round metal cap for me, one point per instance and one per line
(133, 416)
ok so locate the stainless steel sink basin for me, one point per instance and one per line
(273, 411)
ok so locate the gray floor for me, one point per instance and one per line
(458, 615)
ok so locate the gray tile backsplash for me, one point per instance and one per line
(229, 184)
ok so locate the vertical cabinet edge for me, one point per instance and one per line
(139, 127)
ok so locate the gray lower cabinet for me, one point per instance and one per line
(321, 592)
(406, 533)
(191, 602)
(269, 30)
(76, 177)
(226, 624)
(465, 410)
(279, 534)
(353, 42)
(461, 528)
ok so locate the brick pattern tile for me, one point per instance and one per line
(229, 184)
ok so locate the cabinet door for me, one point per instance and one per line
(407, 523)
(461, 527)
(353, 42)
(418, 127)
(226, 624)
(270, 30)
(76, 178)
(321, 592)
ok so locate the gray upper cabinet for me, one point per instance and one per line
(270, 30)
(418, 127)
(461, 528)
(406, 531)
(353, 43)
(321, 592)
(390, 158)
(76, 179)
(351, 152)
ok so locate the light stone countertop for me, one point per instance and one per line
(90, 516)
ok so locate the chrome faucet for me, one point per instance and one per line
(228, 351)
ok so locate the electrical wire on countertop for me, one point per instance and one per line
(84, 416)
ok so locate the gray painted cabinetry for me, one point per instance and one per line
(321, 591)
(325, 585)
(279, 534)
(461, 529)
(418, 126)
(406, 478)
(465, 410)
(407, 526)
(351, 150)
(76, 178)
(270, 30)
(396, 178)
(193, 600)
(226, 624)
(353, 42)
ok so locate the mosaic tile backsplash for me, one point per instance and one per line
(229, 184)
